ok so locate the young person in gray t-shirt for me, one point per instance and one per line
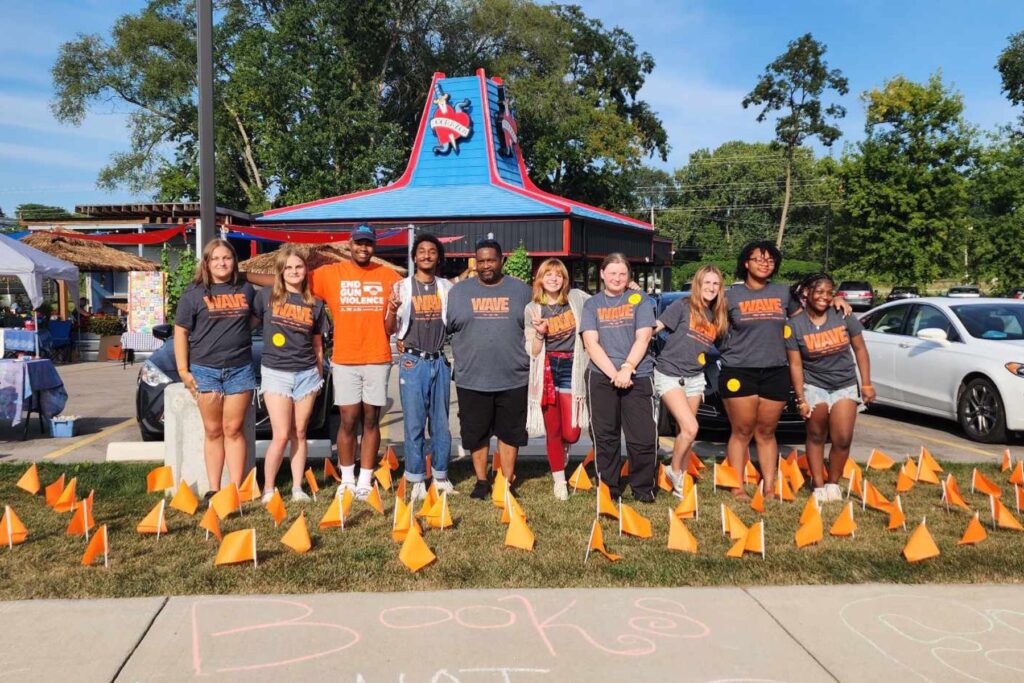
(825, 381)
(617, 326)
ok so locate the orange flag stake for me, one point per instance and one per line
(850, 468)
(911, 468)
(400, 490)
(812, 528)
(275, 506)
(496, 462)
(688, 507)
(249, 490)
(783, 490)
(605, 505)
(1017, 476)
(596, 542)
(844, 524)
(757, 502)
(329, 471)
(53, 491)
(297, 537)
(855, 487)
(589, 458)
(1018, 496)
(632, 522)
(211, 523)
(81, 520)
(663, 483)
(904, 482)
(879, 460)
(428, 501)
(975, 532)
(897, 519)
(226, 501)
(679, 537)
(874, 499)
(810, 509)
(804, 466)
(160, 479)
(440, 516)
(511, 508)
(498, 490)
(30, 480)
(66, 501)
(929, 461)
(12, 530)
(732, 526)
(750, 473)
(755, 539)
(337, 511)
(518, 534)
(154, 522)
(97, 545)
(402, 521)
(238, 546)
(951, 493)
(624, 472)
(314, 487)
(725, 476)
(788, 469)
(391, 459)
(374, 501)
(383, 474)
(428, 468)
(1002, 517)
(1007, 461)
(921, 545)
(981, 483)
(579, 480)
(415, 553)
(184, 500)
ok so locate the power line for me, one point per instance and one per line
(736, 207)
(737, 184)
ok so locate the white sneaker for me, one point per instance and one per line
(676, 480)
(345, 486)
(419, 492)
(443, 485)
(268, 495)
(300, 496)
(363, 492)
(561, 490)
(834, 493)
(821, 495)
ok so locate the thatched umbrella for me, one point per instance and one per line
(87, 254)
(316, 255)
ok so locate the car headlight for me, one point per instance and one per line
(152, 375)
(1016, 368)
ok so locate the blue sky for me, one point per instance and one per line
(708, 54)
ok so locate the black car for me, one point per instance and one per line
(903, 293)
(161, 369)
(711, 414)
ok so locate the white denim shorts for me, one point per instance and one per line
(693, 385)
(815, 395)
(355, 384)
(295, 384)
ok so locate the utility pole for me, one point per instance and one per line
(207, 225)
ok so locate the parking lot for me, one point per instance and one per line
(103, 395)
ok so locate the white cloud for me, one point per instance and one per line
(33, 113)
(43, 156)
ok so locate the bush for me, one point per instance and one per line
(104, 325)
(791, 271)
(518, 264)
(178, 277)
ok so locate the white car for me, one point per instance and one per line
(957, 358)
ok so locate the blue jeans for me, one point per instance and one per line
(425, 388)
(226, 381)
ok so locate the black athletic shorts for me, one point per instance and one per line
(483, 414)
(770, 383)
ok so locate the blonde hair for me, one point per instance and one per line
(203, 275)
(280, 291)
(698, 308)
(539, 294)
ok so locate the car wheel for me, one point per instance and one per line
(150, 436)
(980, 412)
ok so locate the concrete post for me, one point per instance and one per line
(183, 438)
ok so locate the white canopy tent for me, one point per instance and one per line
(31, 266)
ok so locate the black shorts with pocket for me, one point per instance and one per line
(769, 383)
(483, 414)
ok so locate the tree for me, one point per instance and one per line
(905, 185)
(179, 274)
(1011, 69)
(794, 83)
(41, 212)
(996, 195)
(518, 264)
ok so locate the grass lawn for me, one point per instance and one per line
(472, 555)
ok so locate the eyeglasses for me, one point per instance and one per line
(762, 259)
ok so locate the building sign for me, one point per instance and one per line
(505, 124)
(450, 123)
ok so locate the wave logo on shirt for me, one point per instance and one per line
(702, 330)
(427, 307)
(226, 305)
(292, 315)
(356, 295)
(562, 324)
(769, 307)
(615, 316)
(490, 306)
(827, 342)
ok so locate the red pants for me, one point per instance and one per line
(558, 425)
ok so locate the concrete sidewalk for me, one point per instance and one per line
(865, 633)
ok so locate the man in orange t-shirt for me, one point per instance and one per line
(356, 293)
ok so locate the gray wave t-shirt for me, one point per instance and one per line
(488, 341)
(217, 320)
(757, 325)
(288, 330)
(825, 349)
(616, 320)
(689, 340)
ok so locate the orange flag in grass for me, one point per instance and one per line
(314, 487)
(904, 481)
(812, 528)
(920, 546)
(679, 537)
(440, 516)
(98, 544)
(66, 501)
(330, 471)
(725, 476)
(579, 480)
(415, 553)
(783, 489)
(693, 470)
(927, 459)
(238, 546)
(1017, 476)
(632, 522)
(605, 504)
(689, 506)
(184, 500)
(788, 469)
(897, 520)
(81, 519)
(810, 509)
(856, 485)
(844, 524)
(211, 523)
(249, 490)
(624, 472)
(391, 459)
(1018, 495)
(975, 532)
(982, 484)
(732, 526)
(802, 463)
(428, 501)
(159, 479)
(850, 468)
(951, 493)
(757, 502)
(332, 517)
(275, 506)
(596, 542)
(589, 457)
(879, 460)
(154, 522)
(428, 468)
(297, 537)
(926, 474)
(1007, 461)
(400, 489)
(663, 483)
(697, 463)
(750, 473)
(518, 534)
(874, 499)
(496, 462)
(511, 508)
(401, 521)
(226, 501)
(374, 501)
(383, 475)
(30, 480)
(751, 542)
(1002, 517)
(12, 530)
(499, 489)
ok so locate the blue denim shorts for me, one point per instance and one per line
(295, 384)
(561, 372)
(226, 381)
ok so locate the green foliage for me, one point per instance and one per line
(178, 276)
(905, 190)
(41, 212)
(997, 224)
(1011, 69)
(518, 264)
(104, 325)
(792, 270)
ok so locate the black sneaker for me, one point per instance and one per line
(482, 490)
(643, 496)
(207, 497)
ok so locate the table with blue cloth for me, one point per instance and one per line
(30, 386)
(13, 340)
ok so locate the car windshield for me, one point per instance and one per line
(992, 321)
(904, 290)
(854, 285)
(963, 290)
